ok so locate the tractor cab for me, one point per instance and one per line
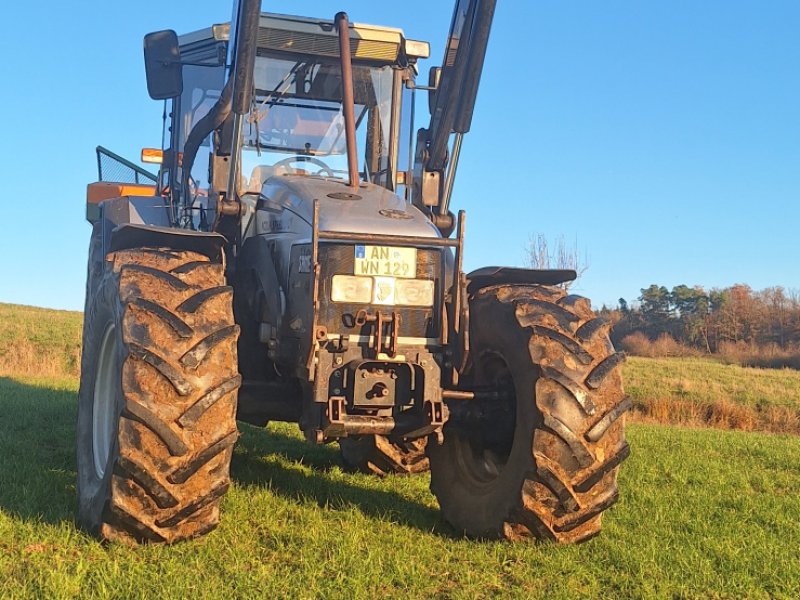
(295, 124)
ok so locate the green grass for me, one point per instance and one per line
(699, 391)
(707, 380)
(39, 341)
(703, 513)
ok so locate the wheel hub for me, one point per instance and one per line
(485, 442)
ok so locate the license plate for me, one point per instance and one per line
(386, 261)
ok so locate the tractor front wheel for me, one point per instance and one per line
(157, 401)
(541, 460)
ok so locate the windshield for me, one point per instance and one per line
(297, 124)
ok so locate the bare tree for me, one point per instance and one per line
(540, 255)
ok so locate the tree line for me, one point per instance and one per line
(708, 320)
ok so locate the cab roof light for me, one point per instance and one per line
(417, 49)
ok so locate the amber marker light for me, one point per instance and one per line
(152, 156)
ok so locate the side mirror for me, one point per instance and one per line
(434, 77)
(162, 63)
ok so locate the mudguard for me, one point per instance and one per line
(488, 276)
(256, 256)
(137, 221)
(131, 235)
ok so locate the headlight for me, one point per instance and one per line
(349, 288)
(383, 291)
(414, 292)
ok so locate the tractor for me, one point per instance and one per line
(295, 259)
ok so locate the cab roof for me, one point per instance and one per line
(303, 35)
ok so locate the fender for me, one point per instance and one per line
(137, 221)
(131, 235)
(488, 276)
(265, 301)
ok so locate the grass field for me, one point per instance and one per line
(39, 341)
(703, 513)
(685, 391)
(697, 391)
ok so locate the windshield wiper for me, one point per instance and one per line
(271, 99)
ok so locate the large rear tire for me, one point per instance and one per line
(157, 401)
(543, 461)
(377, 455)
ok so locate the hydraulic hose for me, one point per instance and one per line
(211, 121)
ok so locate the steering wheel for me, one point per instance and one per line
(287, 162)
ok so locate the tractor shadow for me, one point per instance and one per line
(37, 451)
(302, 472)
(37, 464)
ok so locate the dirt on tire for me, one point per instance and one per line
(557, 472)
(172, 403)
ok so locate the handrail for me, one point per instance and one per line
(138, 172)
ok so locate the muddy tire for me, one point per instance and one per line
(157, 397)
(542, 462)
(94, 266)
(376, 455)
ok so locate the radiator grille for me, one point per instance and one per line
(338, 317)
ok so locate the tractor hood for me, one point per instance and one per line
(372, 209)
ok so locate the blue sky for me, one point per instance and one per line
(662, 137)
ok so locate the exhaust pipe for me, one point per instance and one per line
(246, 31)
(348, 103)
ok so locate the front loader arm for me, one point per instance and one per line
(451, 112)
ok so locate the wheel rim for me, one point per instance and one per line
(480, 461)
(103, 403)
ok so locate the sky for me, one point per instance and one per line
(660, 138)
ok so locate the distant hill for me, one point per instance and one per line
(686, 391)
(39, 341)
